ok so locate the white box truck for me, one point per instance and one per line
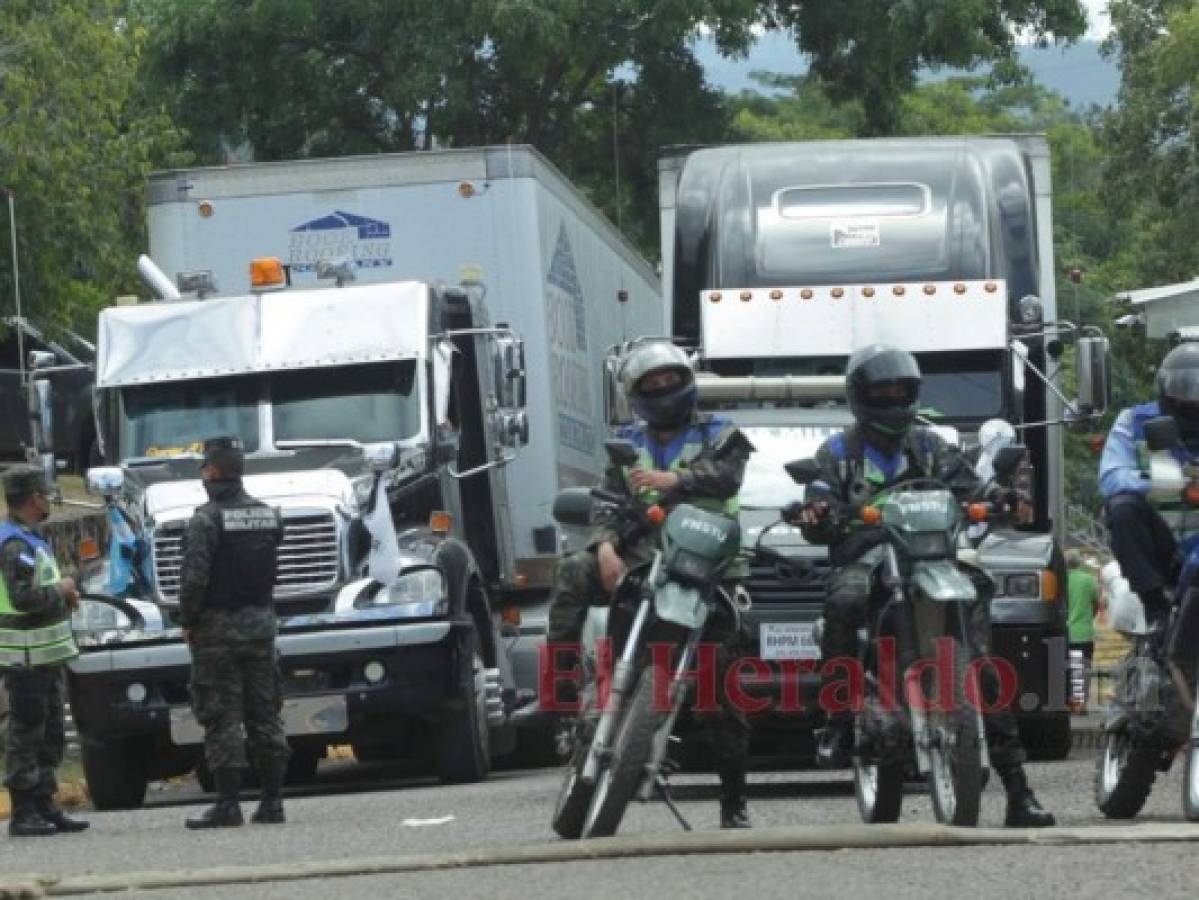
(309, 370)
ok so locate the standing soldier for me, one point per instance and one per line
(35, 645)
(225, 603)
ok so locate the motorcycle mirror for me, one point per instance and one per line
(1007, 460)
(1161, 433)
(622, 453)
(573, 506)
(803, 471)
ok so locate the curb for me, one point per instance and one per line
(766, 840)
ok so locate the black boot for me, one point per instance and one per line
(226, 812)
(26, 821)
(733, 812)
(270, 806)
(834, 742)
(59, 819)
(1023, 809)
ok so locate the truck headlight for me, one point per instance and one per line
(97, 621)
(420, 592)
(1026, 586)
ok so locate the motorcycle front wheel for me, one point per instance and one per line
(878, 787)
(1190, 783)
(1124, 774)
(574, 797)
(955, 778)
(619, 779)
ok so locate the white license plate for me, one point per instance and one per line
(325, 714)
(787, 640)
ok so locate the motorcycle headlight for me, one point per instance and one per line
(96, 621)
(420, 592)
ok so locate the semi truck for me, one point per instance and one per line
(428, 300)
(779, 260)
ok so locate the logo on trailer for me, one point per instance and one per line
(340, 235)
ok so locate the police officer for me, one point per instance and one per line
(225, 604)
(35, 644)
(1142, 539)
(881, 449)
(684, 457)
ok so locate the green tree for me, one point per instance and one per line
(78, 143)
(873, 50)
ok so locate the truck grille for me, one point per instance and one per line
(781, 584)
(308, 557)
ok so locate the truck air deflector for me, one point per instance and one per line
(175, 341)
(836, 320)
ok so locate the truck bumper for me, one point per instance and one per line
(417, 661)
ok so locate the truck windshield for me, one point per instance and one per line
(766, 484)
(172, 418)
(366, 403)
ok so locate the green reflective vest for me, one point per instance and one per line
(694, 442)
(27, 639)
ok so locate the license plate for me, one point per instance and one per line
(787, 640)
(324, 714)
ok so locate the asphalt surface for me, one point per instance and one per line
(370, 811)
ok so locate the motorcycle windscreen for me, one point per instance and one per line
(697, 544)
(918, 512)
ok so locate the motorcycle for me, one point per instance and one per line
(1151, 713)
(653, 626)
(934, 722)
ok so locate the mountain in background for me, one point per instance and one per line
(1078, 72)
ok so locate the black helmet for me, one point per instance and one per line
(661, 408)
(1178, 388)
(872, 369)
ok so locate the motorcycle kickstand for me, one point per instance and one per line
(663, 787)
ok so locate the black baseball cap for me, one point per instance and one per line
(225, 453)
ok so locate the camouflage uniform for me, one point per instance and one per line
(225, 601)
(715, 473)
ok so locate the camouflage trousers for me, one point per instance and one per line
(36, 738)
(238, 684)
(577, 587)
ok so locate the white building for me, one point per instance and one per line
(1163, 310)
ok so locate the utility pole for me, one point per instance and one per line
(16, 281)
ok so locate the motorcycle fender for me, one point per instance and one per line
(942, 581)
(681, 605)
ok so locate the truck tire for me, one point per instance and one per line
(463, 739)
(116, 775)
(1047, 737)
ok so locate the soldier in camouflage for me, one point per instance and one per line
(230, 558)
(685, 457)
(35, 644)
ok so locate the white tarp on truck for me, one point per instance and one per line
(175, 340)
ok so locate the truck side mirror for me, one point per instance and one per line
(1093, 374)
(380, 456)
(1161, 433)
(41, 415)
(40, 359)
(573, 506)
(622, 453)
(510, 378)
(513, 428)
(616, 402)
(803, 471)
(107, 481)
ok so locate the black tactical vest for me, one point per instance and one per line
(247, 552)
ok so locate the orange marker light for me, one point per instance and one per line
(746, 296)
(1048, 586)
(714, 296)
(930, 289)
(1191, 494)
(440, 522)
(897, 290)
(266, 271)
(776, 294)
(838, 293)
(88, 550)
(990, 287)
(978, 512)
(959, 288)
(867, 292)
(806, 294)
(871, 515)
(510, 615)
(656, 515)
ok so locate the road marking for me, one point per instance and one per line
(761, 840)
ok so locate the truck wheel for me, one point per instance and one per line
(116, 775)
(1048, 737)
(463, 742)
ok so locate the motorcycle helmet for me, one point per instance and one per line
(660, 384)
(1178, 389)
(882, 385)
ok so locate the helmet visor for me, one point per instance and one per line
(894, 394)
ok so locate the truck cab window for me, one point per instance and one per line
(370, 402)
(173, 418)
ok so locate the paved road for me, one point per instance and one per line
(358, 811)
